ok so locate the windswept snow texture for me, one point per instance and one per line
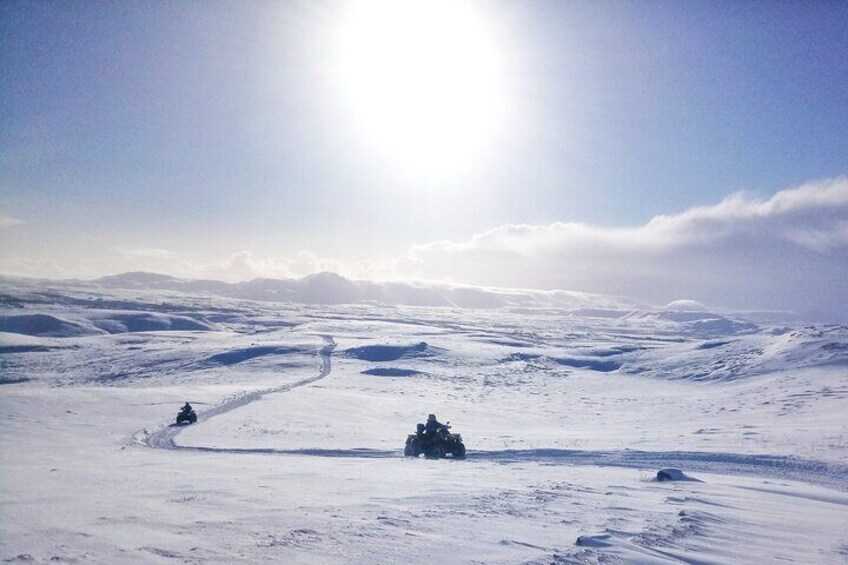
(596, 433)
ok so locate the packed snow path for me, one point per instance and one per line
(164, 438)
(828, 474)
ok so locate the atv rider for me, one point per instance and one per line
(432, 427)
(186, 410)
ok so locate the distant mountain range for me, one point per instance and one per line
(329, 288)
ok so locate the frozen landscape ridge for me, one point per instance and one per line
(571, 406)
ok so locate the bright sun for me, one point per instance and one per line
(423, 81)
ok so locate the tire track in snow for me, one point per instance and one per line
(830, 474)
(164, 437)
(778, 467)
(782, 467)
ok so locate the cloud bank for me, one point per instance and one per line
(787, 252)
(244, 266)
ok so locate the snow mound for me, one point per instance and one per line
(44, 325)
(376, 353)
(593, 364)
(745, 356)
(98, 323)
(390, 372)
(130, 322)
(21, 343)
(699, 323)
(596, 541)
(685, 305)
(236, 356)
(602, 365)
(671, 474)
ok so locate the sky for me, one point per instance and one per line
(661, 150)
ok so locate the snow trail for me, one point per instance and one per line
(164, 437)
(777, 467)
(783, 467)
(830, 474)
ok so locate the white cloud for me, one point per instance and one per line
(148, 253)
(789, 251)
(8, 221)
(244, 265)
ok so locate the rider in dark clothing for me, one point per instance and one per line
(431, 428)
(433, 425)
(186, 409)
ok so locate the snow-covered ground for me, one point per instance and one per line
(568, 413)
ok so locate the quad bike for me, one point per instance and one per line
(434, 444)
(186, 417)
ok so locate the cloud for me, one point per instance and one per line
(8, 221)
(788, 251)
(148, 253)
(244, 265)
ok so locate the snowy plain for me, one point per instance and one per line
(569, 405)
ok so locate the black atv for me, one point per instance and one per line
(434, 444)
(185, 417)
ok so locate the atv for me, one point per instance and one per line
(186, 417)
(434, 444)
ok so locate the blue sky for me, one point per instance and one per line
(205, 129)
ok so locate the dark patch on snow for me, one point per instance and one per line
(598, 540)
(12, 381)
(618, 350)
(713, 344)
(671, 474)
(241, 355)
(390, 372)
(20, 558)
(390, 352)
(507, 343)
(601, 365)
(24, 349)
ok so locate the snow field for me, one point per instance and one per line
(297, 457)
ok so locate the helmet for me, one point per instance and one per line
(431, 417)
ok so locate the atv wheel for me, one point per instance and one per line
(410, 451)
(459, 451)
(436, 452)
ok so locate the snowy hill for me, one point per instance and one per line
(331, 288)
(570, 406)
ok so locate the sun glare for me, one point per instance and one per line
(422, 81)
